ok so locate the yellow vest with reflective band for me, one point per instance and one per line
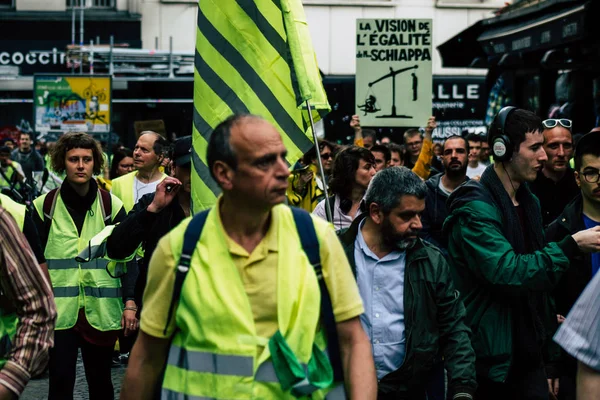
(122, 187)
(10, 171)
(213, 352)
(16, 210)
(80, 285)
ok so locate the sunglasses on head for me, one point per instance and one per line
(551, 123)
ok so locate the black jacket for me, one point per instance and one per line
(554, 196)
(577, 276)
(145, 228)
(435, 214)
(434, 320)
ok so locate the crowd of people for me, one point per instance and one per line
(448, 270)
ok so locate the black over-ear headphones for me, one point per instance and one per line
(500, 143)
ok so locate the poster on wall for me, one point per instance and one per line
(393, 71)
(459, 105)
(67, 103)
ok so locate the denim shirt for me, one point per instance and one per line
(381, 286)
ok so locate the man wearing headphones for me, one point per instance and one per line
(503, 268)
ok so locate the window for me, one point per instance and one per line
(102, 4)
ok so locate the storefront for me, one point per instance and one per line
(35, 42)
(542, 56)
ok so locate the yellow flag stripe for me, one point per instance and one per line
(274, 93)
(271, 35)
(272, 11)
(219, 98)
(214, 105)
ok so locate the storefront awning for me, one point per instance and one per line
(558, 24)
(545, 32)
(462, 48)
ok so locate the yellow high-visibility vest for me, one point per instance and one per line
(81, 285)
(213, 352)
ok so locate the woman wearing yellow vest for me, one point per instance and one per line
(88, 300)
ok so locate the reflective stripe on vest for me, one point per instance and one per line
(69, 263)
(73, 291)
(167, 394)
(213, 363)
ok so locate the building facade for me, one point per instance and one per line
(36, 34)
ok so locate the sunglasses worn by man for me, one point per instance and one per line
(551, 123)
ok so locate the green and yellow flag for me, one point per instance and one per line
(252, 56)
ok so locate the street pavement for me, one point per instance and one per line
(38, 389)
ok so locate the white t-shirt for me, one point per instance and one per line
(477, 171)
(140, 188)
(340, 220)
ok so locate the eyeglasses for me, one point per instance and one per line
(326, 156)
(592, 176)
(551, 123)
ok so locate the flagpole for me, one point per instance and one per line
(320, 164)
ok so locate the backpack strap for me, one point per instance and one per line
(49, 205)
(190, 239)
(310, 245)
(105, 205)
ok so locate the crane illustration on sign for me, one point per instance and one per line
(371, 106)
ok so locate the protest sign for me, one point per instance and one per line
(393, 71)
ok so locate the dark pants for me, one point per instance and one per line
(126, 342)
(521, 384)
(567, 389)
(390, 391)
(62, 367)
(436, 387)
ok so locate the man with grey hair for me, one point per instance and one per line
(410, 325)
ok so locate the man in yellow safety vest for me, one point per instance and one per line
(246, 319)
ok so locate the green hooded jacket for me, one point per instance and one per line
(490, 276)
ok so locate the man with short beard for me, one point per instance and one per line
(408, 323)
(439, 187)
(555, 184)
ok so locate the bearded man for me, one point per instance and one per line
(409, 324)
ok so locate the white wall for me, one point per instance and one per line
(336, 54)
(331, 23)
(164, 20)
(41, 5)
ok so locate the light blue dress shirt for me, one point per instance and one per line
(381, 286)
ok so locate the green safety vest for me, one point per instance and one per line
(10, 171)
(80, 285)
(213, 351)
(16, 210)
(8, 319)
(122, 187)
